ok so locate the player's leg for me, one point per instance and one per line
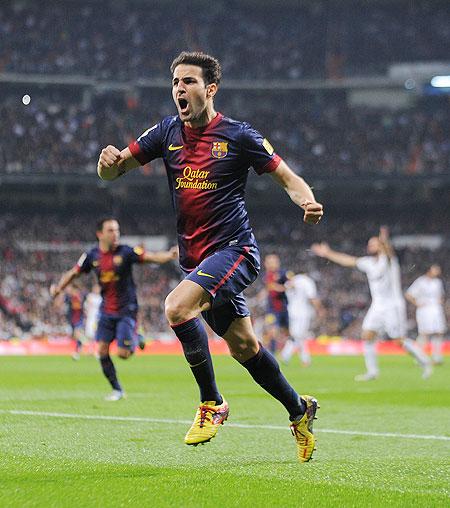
(292, 344)
(418, 354)
(263, 367)
(126, 337)
(395, 326)
(183, 307)
(373, 322)
(106, 331)
(369, 338)
(77, 334)
(437, 340)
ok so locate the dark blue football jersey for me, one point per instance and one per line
(207, 170)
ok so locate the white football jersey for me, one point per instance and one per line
(427, 291)
(301, 290)
(384, 278)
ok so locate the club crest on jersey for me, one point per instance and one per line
(117, 260)
(219, 149)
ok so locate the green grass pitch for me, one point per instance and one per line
(57, 451)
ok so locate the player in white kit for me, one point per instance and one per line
(92, 309)
(427, 294)
(303, 304)
(387, 312)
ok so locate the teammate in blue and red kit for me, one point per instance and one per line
(74, 300)
(112, 262)
(207, 158)
(277, 316)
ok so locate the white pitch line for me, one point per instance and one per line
(237, 425)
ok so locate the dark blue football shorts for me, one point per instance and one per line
(225, 274)
(122, 328)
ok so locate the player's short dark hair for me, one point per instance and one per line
(101, 222)
(212, 72)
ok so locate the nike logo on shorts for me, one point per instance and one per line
(173, 148)
(205, 274)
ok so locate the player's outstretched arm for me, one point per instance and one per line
(64, 281)
(299, 191)
(323, 250)
(113, 163)
(161, 257)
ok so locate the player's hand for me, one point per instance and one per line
(108, 163)
(321, 249)
(54, 292)
(313, 212)
(384, 233)
(174, 252)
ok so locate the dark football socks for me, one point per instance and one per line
(265, 370)
(194, 339)
(110, 372)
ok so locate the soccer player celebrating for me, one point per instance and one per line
(387, 312)
(277, 317)
(113, 262)
(303, 304)
(427, 294)
(207, 157)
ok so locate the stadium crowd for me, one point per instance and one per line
(26, 271)
(320, 136)
(319, 39)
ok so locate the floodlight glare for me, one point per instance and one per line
(441, 82)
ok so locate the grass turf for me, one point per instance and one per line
(50, 460)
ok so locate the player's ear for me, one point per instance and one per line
(211, 90)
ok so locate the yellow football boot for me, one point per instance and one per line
(302, 430)
(206, 422)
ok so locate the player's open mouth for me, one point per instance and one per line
(184, 105)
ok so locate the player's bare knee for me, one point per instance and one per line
(123, 353)
(176, 311)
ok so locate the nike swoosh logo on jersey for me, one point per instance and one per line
(173, 148)
(205, 274)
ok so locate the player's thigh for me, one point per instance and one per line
(373, 323)
(186, 301)
(125, 333)
(241, 339)
(395, 322)
(106, 329)
(226, 273)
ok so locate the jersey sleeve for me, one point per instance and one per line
(148, 145)
(84, 264)
(136, 254)
(257, 151)
(364, 264)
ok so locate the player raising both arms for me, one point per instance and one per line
(207, 157)
(387, 312)
(113, 262)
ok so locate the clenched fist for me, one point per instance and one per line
(108, 167)
(313, 212)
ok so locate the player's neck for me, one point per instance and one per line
(206, 117)
(104, 247)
